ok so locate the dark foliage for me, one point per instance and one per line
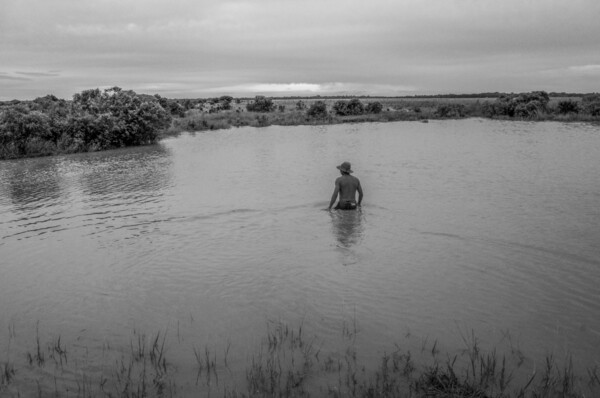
(348, 108)
(261, 104)
(567, 106)
(93, 120)
(591, 104)
(300, 106)
(374, 107)
(451, 110)
(317, 110)
(524, 105)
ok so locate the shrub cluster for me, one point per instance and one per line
(93, 120)
(591, 104)
(567, 106)
(355, 107)
(524, 105)
(317, 109)
(261, 104)
(450, 111)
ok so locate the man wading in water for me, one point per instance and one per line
(346, 187)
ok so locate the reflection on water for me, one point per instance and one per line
(29, 181)
(347, 226)
(487, 224)
(141, 171)
(90, 192)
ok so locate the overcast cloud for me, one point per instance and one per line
(204, 48)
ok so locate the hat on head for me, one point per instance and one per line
(345, 167)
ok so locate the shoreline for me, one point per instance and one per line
(205, 123)
(95, 121)
(210, 122)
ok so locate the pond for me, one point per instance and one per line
(468, 227)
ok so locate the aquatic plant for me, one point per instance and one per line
(291, 362)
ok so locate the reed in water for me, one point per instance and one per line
(288, 362)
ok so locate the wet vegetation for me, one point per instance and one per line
(97, 120)
(94, 120)
(289, 362)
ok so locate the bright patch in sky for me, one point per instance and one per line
(285, 87)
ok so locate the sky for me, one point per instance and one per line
(243, 48)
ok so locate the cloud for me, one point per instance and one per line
(588, 70)
(185, 47)
(38, 74)
(91, 30)
(331, 88)
(4, 76)
(280, 87)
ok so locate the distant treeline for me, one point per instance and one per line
(97, 120)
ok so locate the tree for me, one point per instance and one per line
(18, 127)
(355, 107)
(567, 106)
(317, 110)
(451, 110)
(348, 108)
(261, 104)
(340, 108)
(521, 105)
(300, 105)
(225, 102)
(528, 110)
(126, 118)
(591, 104)
(376, 107)
(93, 120)
(88, 101)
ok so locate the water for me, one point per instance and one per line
(469, 225)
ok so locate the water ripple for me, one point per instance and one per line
(477, 222)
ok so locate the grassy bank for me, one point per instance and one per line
(288, 362)
(95, 120)
(199, 121)
(288, 112)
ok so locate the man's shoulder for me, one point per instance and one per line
(348, 179)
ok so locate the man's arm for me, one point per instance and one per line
(336, 191)
(360, 193)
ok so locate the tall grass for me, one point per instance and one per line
(289, 361)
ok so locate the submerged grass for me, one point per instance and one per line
(288, 362)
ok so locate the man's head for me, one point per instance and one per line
(345, 168)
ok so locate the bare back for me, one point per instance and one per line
(348, 186)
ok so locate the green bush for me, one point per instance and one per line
(451, 110)
(261, 104)
(18, 126)
(348, 108)
(593, 108)
(376, 107)
(317, 110)
(591, 104)
(524, 105)
(93, 120)
(528, 110)
(300, 105)
(567, 106)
